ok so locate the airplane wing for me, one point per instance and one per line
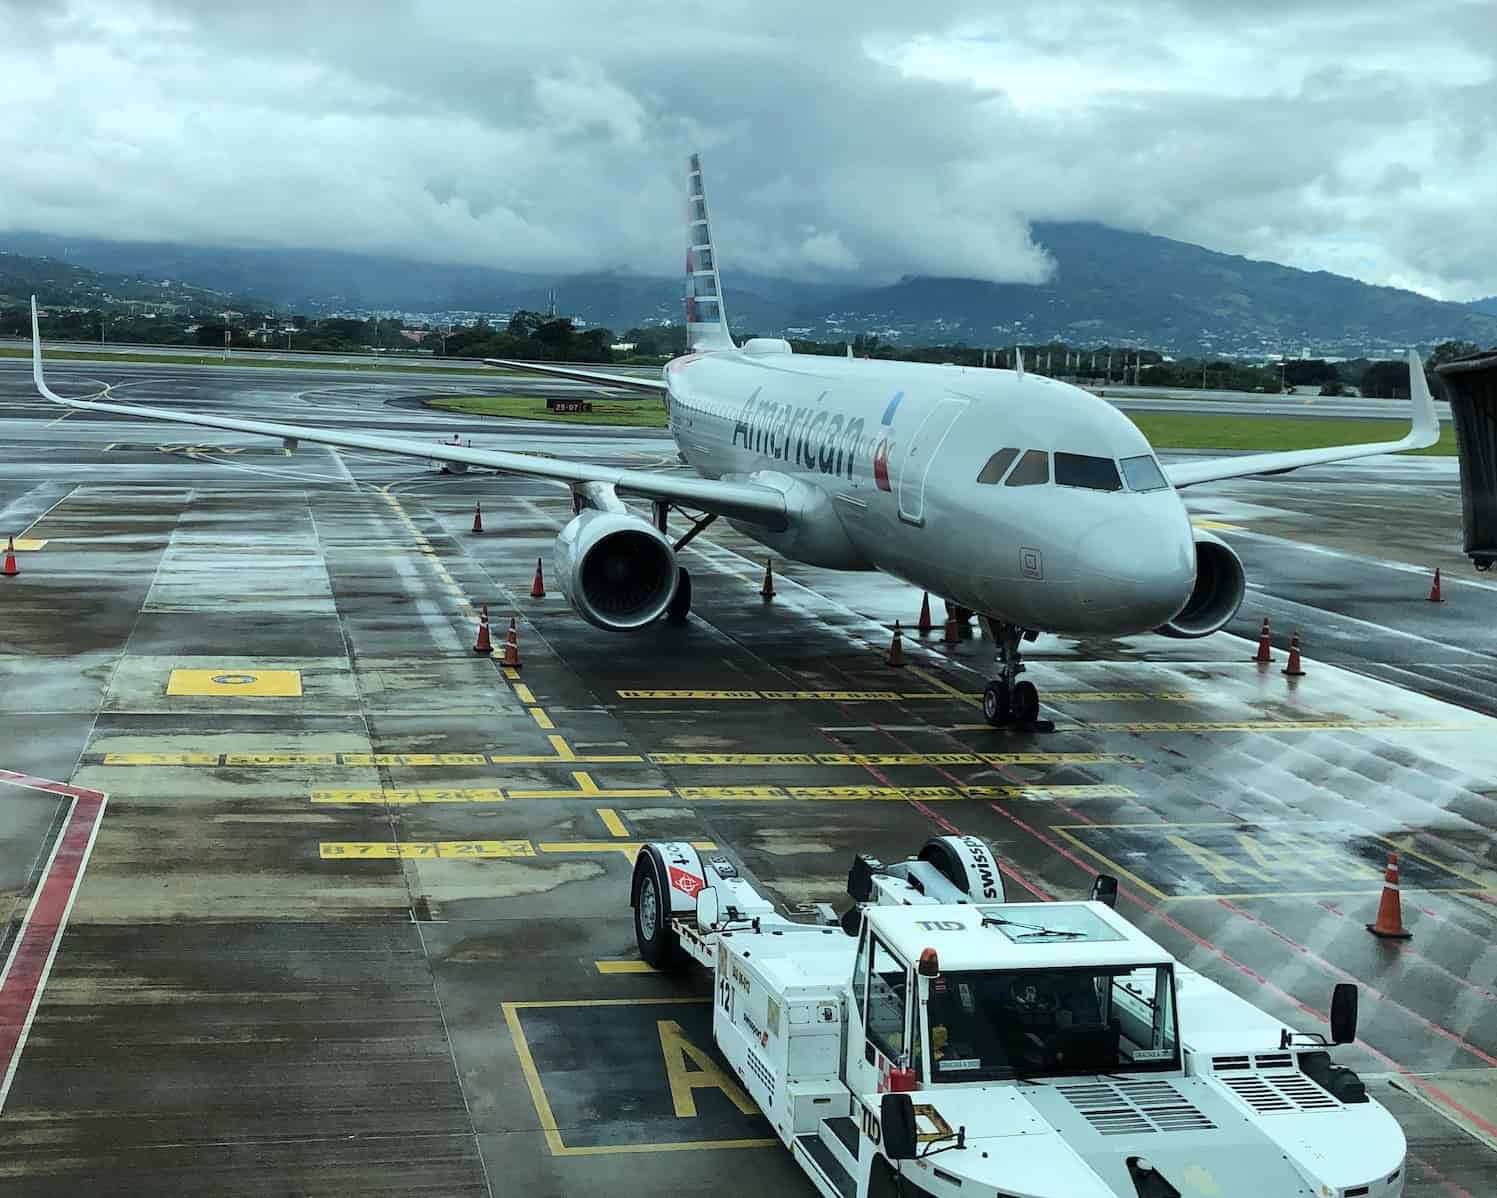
(1424, 431)
(740, 500)
(599, 377)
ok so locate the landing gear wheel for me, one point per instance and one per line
(652, 918)
(680, 604)
(996, 704)
(1026, 703)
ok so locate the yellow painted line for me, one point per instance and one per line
(540, 717)
(588, 789)
(543, 1105)
(1093, 791)
(1112, 866)
(511, 673)
(1216, 525)
(687, 694)
(225, 683)
(625, 967)
(280, 759)
(901, 696)
(161, 759)
(946, 687)
(523, 693)
(29, 545)
(426, 849)
(414, 758)
(628, 848)
(731, 759)
(392, 797)
(563, 750)
(612, 822)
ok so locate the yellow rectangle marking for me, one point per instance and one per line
(563, 750)
(1059, 758)
(1216, 525)
(29, 544)
(280, 759)
(630, 848)
(625, 967)
(897, 759)
(833, 696)
(511, 673)
(612, 822)
(541, 719)
(480, 795)
(161, 758)
(732, 793)
(425, 849)
(223, 682)
(524, 693)
(414, 759)
(731, 759)
(679, 694)
(873, 792)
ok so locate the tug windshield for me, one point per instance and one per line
(998, 1024)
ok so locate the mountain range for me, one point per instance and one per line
(1109, 287)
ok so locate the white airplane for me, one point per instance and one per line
(1026, 500)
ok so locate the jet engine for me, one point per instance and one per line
(1220, 586)
(617, 570)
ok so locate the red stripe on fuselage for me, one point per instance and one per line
(30, 962)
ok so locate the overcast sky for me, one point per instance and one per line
(841, 140)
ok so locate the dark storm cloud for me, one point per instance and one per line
(846, 140)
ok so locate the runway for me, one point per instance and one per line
(355, 914)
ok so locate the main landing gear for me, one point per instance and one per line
(1007, 702)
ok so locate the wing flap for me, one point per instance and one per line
(1424, 431)
(744, 501)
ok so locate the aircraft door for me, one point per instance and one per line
(921, 453)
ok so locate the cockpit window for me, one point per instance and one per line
(997, 464)
(1081, 470)
(1033, 470)
(1143, 473)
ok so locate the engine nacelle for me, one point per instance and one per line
(1220, 586)
(617, 570)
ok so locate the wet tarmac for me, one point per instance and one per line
(355, 919)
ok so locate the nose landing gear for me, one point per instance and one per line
(1007, 702)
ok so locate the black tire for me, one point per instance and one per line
(940, 855)
(996, 705)
(680, 605)
(657, 942)
(1026, 703)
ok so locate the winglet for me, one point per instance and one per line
(36, 358)
(1424, 425)
(1019, 360)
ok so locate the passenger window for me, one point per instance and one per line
(997, 464)
(888, 987)
(1082, 470)
(1143, 473)
(1033, 470)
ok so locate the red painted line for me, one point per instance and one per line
(30, 963)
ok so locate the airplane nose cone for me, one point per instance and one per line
(1134, 573)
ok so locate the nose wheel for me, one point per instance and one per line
(1006, 701)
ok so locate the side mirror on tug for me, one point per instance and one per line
(1105, 890)
(896, 1118)
(708, 912)
(1344, 1001)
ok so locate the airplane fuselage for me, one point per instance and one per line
(881, 462)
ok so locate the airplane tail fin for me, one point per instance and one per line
(706, 321)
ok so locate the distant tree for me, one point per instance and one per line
(526, 323)
(1311, 372)
(1386, 380)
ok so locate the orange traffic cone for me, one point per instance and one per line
(896, 648)
(925, 624)
(512, 647)
(1293, 668)
(952, 633)
(478, 517)
(483, 644)
(1264, 655)
(1434, 590)
(767, 590)
(538, 586)
(10, 571)
(1389, 925)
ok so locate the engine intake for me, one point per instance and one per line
(1220, 586)
(617, 570)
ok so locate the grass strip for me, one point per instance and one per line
(246, 360)
(646, 412)
(1167, 430)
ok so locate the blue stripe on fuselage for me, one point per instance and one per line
(889, 411)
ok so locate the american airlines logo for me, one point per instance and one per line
(881, 454)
